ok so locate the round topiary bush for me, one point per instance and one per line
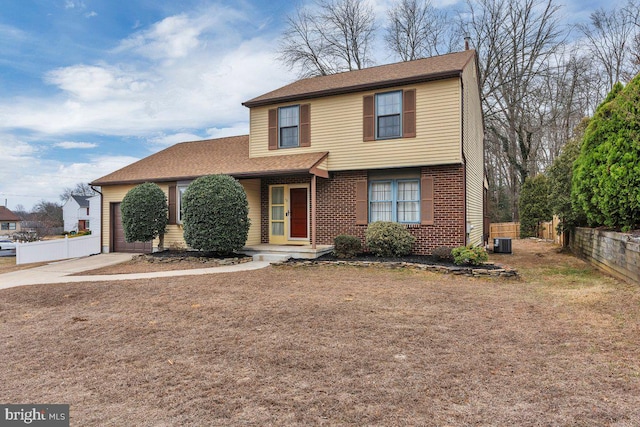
(144, 213)
(389, 239)
(215, 214)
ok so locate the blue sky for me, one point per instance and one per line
(89, 86)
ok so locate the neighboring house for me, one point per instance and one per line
(329, 155)
(9, 222)
(81, 213)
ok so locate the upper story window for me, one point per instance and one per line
(288, 123)
(290, 126)
(389, 115)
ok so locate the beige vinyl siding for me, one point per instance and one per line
(174, 235)
(337, 126)
(110, 194)
(473, 152)
(323, 165)
(252, 188)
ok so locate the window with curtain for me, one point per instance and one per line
(396, 200)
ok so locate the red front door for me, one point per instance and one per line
(298, 213)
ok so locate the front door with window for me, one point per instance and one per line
(289, 214)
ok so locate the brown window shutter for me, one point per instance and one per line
(173, 213)
(426, 200)
(273, 129)
(409, 114)
(362, 212)
(305, 125)
(369, 120)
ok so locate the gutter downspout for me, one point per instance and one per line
(101, 213)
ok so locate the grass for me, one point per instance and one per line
(332, 346)
(8, 264)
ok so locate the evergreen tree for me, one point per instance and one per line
(606, 178)
(560, 176)
(534, 205)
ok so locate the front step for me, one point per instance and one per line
(271, 258)
(278, 253)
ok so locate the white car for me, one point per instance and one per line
(7, 244)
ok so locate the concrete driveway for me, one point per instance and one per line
(61, 271)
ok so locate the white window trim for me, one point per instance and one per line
(180, 185)
(297, 126)
(376, 115)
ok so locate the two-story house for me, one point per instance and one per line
(81, 213)
(329, 155)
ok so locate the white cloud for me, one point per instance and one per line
(173, 37)
(171, 139)
(184, 78)
(52, 177)
(91, 14)
(204, 89)
(72, 4)
(239, 129)
(69, 145)
(94, 83)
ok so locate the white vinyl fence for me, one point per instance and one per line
(52, 250)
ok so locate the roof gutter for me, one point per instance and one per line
(236, 175)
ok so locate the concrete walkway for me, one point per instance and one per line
(60, 271)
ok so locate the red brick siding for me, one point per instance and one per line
(336, 213)
(337, 206)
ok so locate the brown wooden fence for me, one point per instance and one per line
(511, 230)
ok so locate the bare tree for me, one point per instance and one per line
(516, 42)
(609, 37)
(303, 47)
(334, 36)
(632, 9)
(48, 217)
(417, 30)
(81, 189)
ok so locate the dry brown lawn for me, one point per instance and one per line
(8, 264)
(332, 346)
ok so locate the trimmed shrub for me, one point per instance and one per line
(443, 253)
(469, 255)
(346, 246)
(388, 239)
(215, 214)
(144, 213)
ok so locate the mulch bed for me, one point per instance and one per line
(194, 256)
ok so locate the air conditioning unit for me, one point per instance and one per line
(501, 245)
